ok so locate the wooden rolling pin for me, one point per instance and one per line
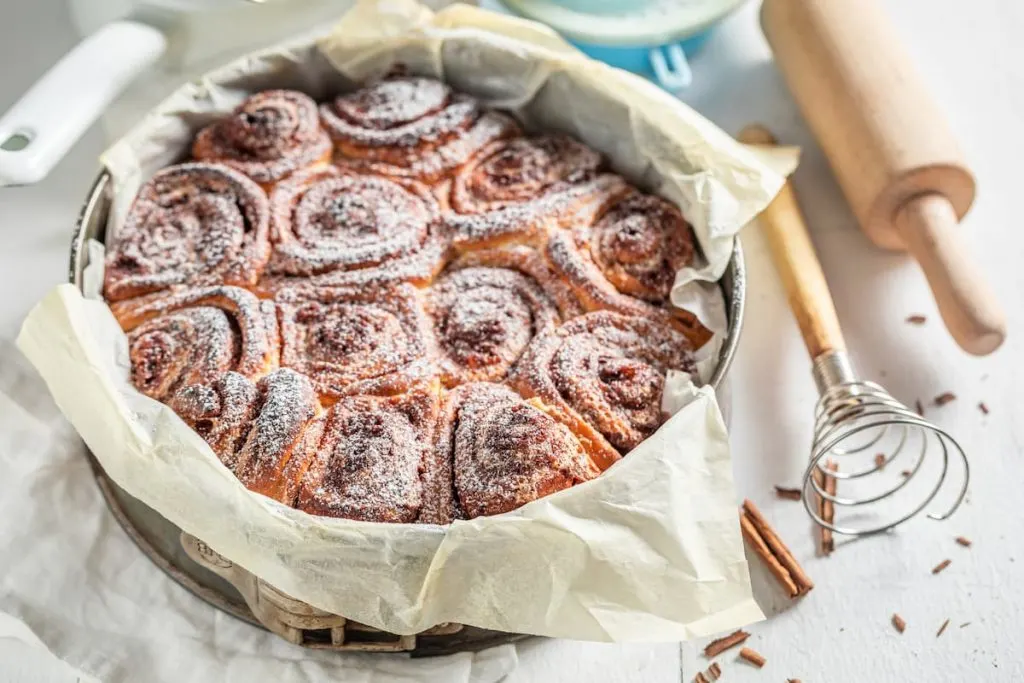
(889, 146)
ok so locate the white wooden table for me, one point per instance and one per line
(971, 55)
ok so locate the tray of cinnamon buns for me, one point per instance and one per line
(396, 306)
(385, 341)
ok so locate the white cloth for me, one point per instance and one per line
(71, 574)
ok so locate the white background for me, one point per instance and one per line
(970, 53)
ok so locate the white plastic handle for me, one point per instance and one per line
(37, 131)
(671, 67)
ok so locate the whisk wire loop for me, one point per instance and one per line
(853, 417)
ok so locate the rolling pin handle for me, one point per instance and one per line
(928, 225)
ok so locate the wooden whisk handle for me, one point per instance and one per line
(793, 253)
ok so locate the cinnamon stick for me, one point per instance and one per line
(699, 678)
(770, 548)
(717, 647)
(826, 508)
(755, 658)
(761, 549)
(714, 671)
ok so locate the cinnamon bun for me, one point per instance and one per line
(326, 221)
(259, 431)
(484, 316)
(194, 336)
(190, 224)
(370, 458)
(623, 254)
(269, 136)
(356, 340)
(410, 127)
(503, 452)
(518, 190)
(603, 374)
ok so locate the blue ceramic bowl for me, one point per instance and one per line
(667, 65)
(652, 38)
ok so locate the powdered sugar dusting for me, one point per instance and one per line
(370, 457)
(506, 452)
(269, 136)
(326, 220)
(221, 412)
(483, 319)
(413, 127)
(530, 221)
(265, 463)
(639, 243)
(193, 337)
(609, 369)
(521, 169)
(190, 224)
(350, 340)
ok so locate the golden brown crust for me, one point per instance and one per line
(192, 224)
(268, 137)
(193, 336)
(602, 374)
(503, 452)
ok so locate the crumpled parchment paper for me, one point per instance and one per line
(649, 551)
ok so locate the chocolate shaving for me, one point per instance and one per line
(787, 494)
(906, 473)
(942, 628)
(966, 623)
(717, 647)
(752, 656)
(772, 551)
(916, 319)
(898, 623)
(880, 461)
(944, 398)
(919, 407)
(940, 566)
(964, 541)
(983, 408)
